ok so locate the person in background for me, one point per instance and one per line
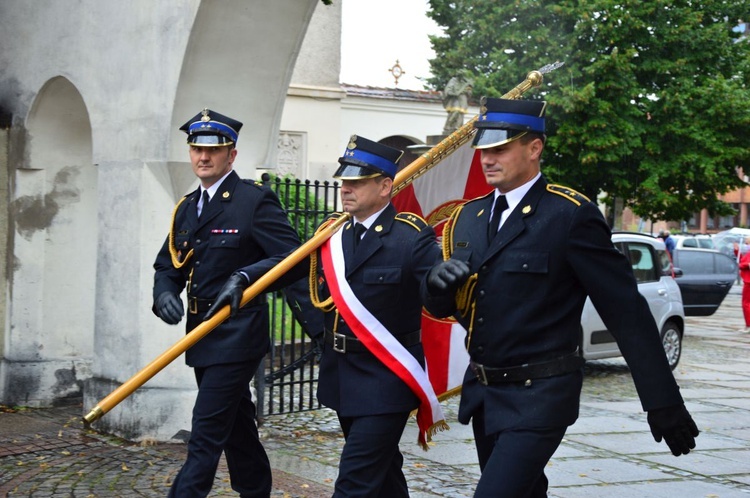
(225, 224)
(666, 236)
(744, 266)
(520, 263)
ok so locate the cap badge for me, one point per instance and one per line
(352, 142)
(483, 105)
(205, 117)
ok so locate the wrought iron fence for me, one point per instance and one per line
(287, 378)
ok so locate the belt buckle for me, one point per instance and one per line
(193, 305)
(480, 374)
(339, 343)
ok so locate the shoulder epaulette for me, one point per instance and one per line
(412, 219)
(335, 216)
(575, 197)
(329, 219)
(256, 183)
(491, 192)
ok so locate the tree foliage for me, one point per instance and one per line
(652, 104)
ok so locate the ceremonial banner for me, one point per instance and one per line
(434, 196)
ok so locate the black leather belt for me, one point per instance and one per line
(198, 305)
(490, 375)
(349, 344)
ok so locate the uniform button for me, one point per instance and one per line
(480, 350)
(481, 293)
(480, 320)
(483, 268)
(380, 279)
(525, 266)
(195, 286)
(197, 241)
(527, 383)
(197, 263)
(223, 241)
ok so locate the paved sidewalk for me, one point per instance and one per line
(609, 452)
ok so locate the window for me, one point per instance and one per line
(724, 264)
(642, 260)
(696, 263)
(666, 262)
(689, 243)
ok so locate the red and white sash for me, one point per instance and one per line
(380, 342)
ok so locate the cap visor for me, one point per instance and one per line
(488, 137)
(354, 172)
(208, 141)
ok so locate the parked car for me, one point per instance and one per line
(693, 240)
(653, 272)
(704, 277)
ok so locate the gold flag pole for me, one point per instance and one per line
(403, 178)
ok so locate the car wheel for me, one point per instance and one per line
(671, 340)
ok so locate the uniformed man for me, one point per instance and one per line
(367, 279)
(225, 224)
(523, 259)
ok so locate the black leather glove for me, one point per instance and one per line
(231, 294)
(676, 426)
(168, 307)
(447, 276)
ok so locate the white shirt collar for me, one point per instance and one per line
(370, 219)
(514, 196)
(213, 188)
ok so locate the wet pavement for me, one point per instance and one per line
(609, 452)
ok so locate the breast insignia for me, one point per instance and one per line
(412, 219)
(575, 197)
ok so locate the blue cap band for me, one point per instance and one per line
(389, 168)
(212, 127)
(534, 123)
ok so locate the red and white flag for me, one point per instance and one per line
(434, 196)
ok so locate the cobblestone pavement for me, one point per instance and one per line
(609, 452)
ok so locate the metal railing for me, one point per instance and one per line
(287, 379)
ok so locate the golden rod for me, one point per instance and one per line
(404, 177)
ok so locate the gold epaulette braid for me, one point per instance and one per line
(448, 233)
(172, 249)
(326, 305)
(465, 293)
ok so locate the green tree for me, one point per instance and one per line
(651, 106)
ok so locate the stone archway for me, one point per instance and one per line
(53, 212)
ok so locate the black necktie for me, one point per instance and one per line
(501, 204)
(206, 199)
(359, 230)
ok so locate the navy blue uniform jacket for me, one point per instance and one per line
(244, 224)
(533, 278)
(385, 274)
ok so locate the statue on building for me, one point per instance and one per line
(456, 102)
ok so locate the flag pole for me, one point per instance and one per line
(411, 172)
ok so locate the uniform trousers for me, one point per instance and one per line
(224, 420)
(370, 464)
(513, 461)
